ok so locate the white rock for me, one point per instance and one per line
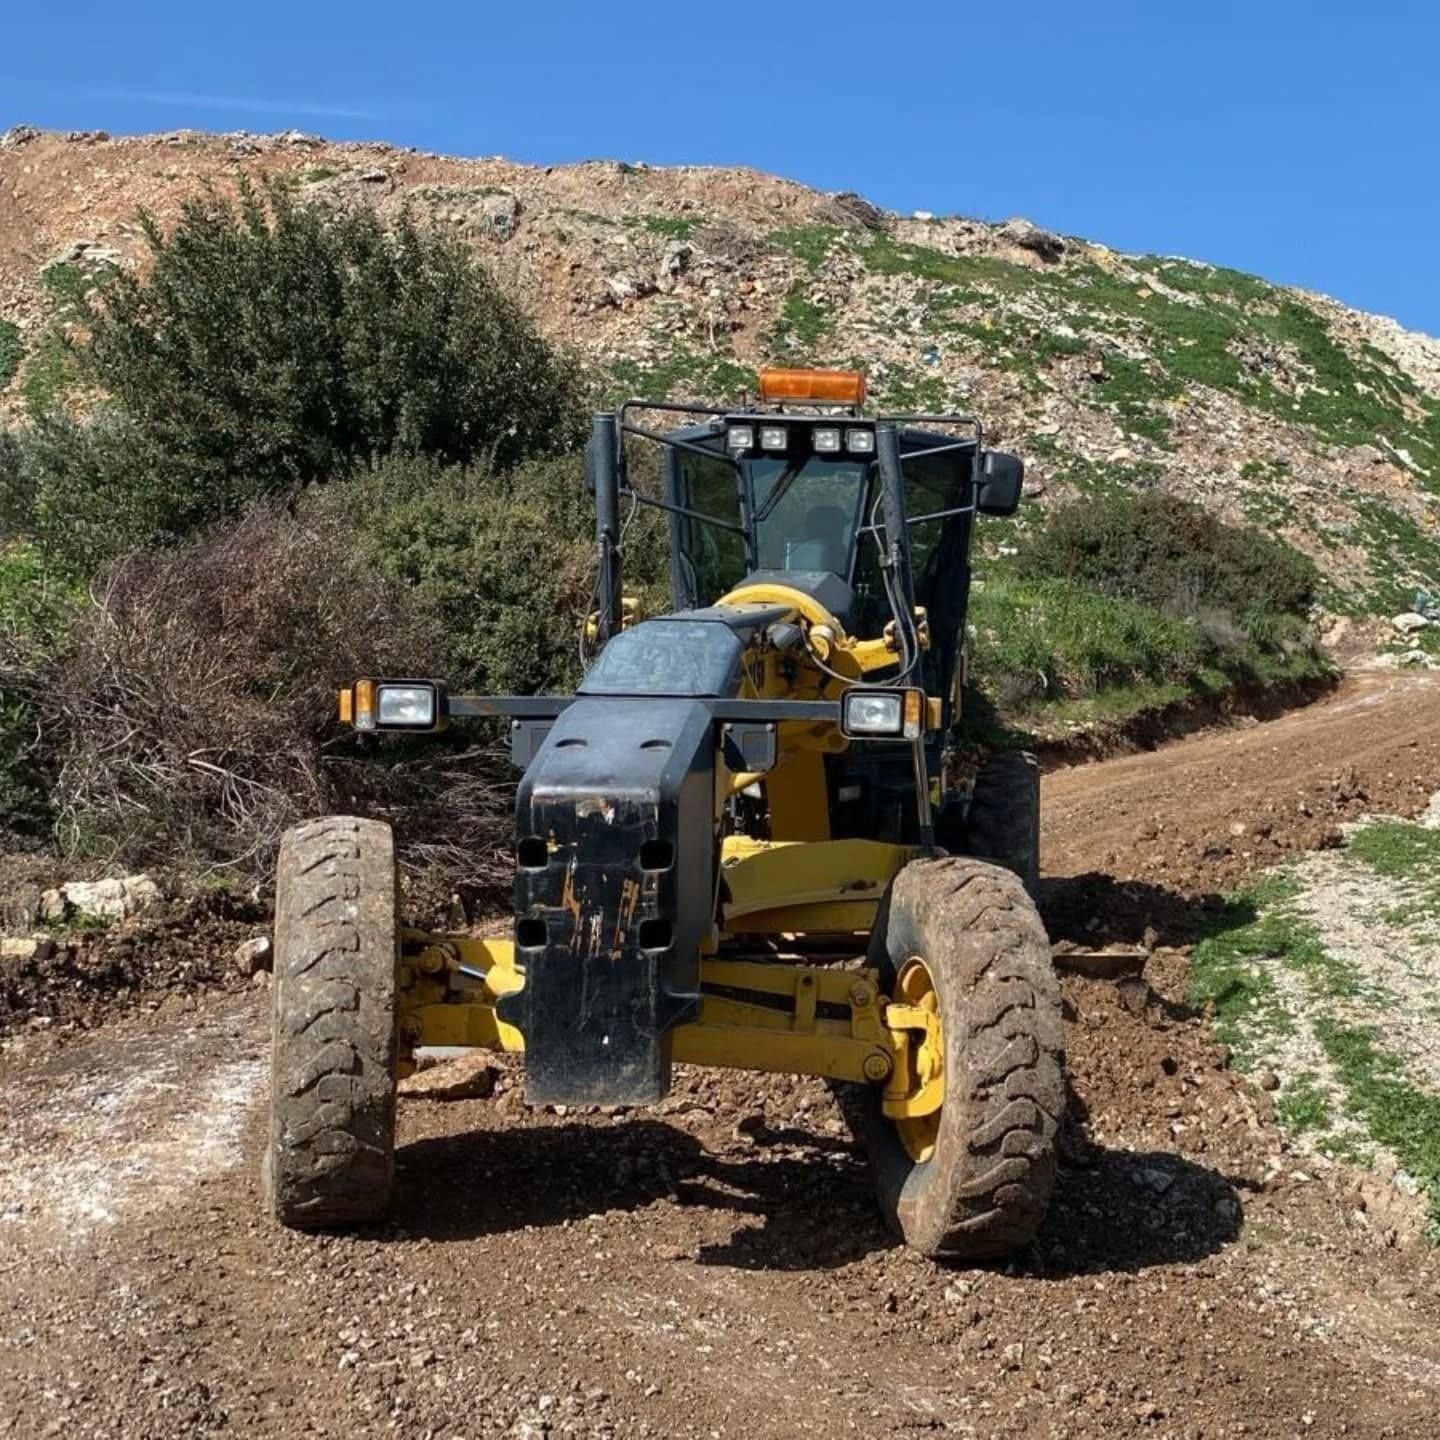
(252, 955)
(1409, 622)
(112, 899)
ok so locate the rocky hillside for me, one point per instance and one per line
(1103, 369)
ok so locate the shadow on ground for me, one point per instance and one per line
(798, 1201)
(1095, 909)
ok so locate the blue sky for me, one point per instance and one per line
(1294, 138)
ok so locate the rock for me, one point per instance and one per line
(87, 137)
(468, 1077)
(373, 177)
(108, 899)
(18, 948)
(849, 209)
(253, 955)
(87, 252)
(1100, 964)
(1268, 1080)
(1134, 995)
(18, 135)
(1047, 245)
(500, 214)
(299, 140)
(1409, 622)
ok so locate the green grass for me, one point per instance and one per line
(1302, 1106)
(683, 374)
(674, 227)
(12, 351)
(1227, 975)
(1398, 850)
(1398, 1115)
(803, 321)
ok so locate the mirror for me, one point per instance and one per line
(1001, 478)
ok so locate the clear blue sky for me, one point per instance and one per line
(1298, 139)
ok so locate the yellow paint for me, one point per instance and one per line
(784, 887)
(916, 1093)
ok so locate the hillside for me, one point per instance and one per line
(1265, 403)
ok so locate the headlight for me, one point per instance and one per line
(882, 714)
(860, 442)
(873, 714)
(826, 441)
(740, 437)
(405, 707)
(774, 437)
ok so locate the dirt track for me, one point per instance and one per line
(715, 1267)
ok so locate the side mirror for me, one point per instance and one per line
(1001, 478)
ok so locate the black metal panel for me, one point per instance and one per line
(618, 809)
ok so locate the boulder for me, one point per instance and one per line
(253, 956)
(113, 899)
(1409, 622)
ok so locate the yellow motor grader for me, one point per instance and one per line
(733, 846)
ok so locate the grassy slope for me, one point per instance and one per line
(1263, 956)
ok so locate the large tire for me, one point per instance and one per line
(985, 1186)
(330, 1152)
(1003, 821)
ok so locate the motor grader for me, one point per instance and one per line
(734, 845)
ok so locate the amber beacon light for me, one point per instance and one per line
(828, 387)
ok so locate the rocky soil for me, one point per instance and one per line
(1264, 403)
(715, 1266)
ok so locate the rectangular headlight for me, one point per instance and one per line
(774, 437)
(405, 707)
(882, 714)
(860, 442)
(825, 440)
(740, 437)
(869, 712)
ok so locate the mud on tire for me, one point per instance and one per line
(1003, 822)
(330, 1148)
(985, 1188)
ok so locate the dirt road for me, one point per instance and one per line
(715, 1267)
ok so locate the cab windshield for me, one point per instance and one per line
(806, 512)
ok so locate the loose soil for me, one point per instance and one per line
(715, 1266)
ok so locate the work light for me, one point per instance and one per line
(860, 442)
(773, 437)
(405, 707)
(740, 437)
(881, 714)
(825, 440)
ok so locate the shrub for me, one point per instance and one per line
(505, 563)
(1176, 557)
(36, 610)
(270, 344)
(194, 713)
(1038, 640)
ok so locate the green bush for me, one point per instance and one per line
(36, 613)
(12, 350)
(504, 562)
(1177, 558)
(1042, 640)
(269, 344)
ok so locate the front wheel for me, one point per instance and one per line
(330, 1153)
(965, 1163)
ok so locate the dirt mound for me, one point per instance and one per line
(79, 981)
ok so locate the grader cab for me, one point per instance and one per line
(733, 846)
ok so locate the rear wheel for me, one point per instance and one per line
(965, 1168)
(330, 1154)
(1003, 821)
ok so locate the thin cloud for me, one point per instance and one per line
(254, 104)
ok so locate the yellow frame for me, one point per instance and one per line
(785, 1031)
